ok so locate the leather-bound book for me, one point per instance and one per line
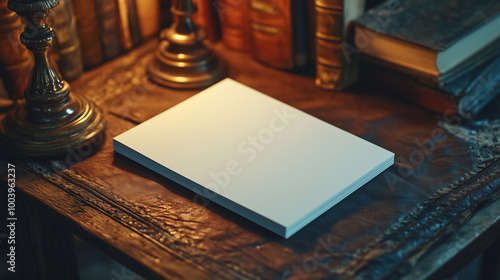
(135, 31)
(438, 40)
(277, 29)
(148, 13)
(207, 17)
(108, 22)
(125, 37)
(233, 16)
(67, 49)
(336, 68)
(442, 55)
(465, 96)
(129, 25)
(88, 32)
(15, 60)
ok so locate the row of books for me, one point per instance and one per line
(442, 55)
(290, 34)
(398, 46)
(279, 33)
(88, 32)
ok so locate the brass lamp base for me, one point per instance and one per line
(183, 60)
(80, 127)
(50, 121)
(187, 71)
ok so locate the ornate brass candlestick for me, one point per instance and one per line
(50, 121)
(183, 60)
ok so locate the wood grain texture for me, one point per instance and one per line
(161, 230)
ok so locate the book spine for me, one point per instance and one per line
(233, 16)
(406, 87)
(148, 14)
(206, 17)
(67, 44)
(130, 35)
(88, 32)
(329, 59)
(108, 23)
(271, 39)
(15, 60)
(125, 36)
(481, 90)
(336, 69)
(135, 32)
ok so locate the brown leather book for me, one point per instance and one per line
(274, 39)
(67, 45)
(125, 37)
(148, 14)
(108, 22)
(88, 32)
(335, 67)
(15, 60)
(233, 16)
(129, 24)
(206, 17)
(135, 32)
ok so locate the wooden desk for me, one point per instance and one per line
(425, 217)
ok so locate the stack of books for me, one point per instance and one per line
(443, 55)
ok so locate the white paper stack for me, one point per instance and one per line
(267, 161)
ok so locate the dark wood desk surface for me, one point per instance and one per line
(425, 217)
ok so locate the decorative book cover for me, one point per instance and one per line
(265, 160)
